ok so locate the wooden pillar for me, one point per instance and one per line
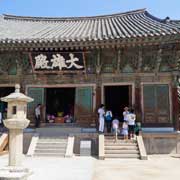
(175, 108)
(140, 59)
(98, 85)
(98, 80)
(137, 104)
(98, 97)
(98, 63)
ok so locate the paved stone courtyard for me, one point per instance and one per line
(156, 168)
(88, 168)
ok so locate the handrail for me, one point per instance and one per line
(33, 144)
(3, 143)
(101, 146)
(142, 149)
(70, 146)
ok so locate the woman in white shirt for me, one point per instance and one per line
(125, 113)
(101, 113)
(38, 115)
(131, 123)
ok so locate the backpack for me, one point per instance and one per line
(108, 117)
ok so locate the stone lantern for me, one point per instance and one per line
(16, 121)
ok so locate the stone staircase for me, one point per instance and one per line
(121, 148)
(51, 146)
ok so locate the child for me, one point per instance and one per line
(108, 118)
(137, 128)
(125, 130)
(115, 126)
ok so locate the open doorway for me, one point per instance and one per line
(116, 98)
(4, 91)
(60, 104)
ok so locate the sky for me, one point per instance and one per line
(66, 8)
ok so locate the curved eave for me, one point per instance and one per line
(95, 44)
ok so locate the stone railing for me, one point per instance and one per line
(3, 143)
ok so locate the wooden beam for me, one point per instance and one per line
(159, 59)
(140, 59)
(118, 61)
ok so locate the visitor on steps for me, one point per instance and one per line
(108, 119)
(131, 123)
(115, 126)
(1, 118)
(137, 128)
(37, 115)
(1, 121)
(125, 113)
(101, 113)
(125, 130)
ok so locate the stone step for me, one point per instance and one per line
(122, 156)
(51, 144)
(112, 138)
(51, 147)
(119, 144)
(52, 140)
(121, 140)
(55, 138)
(119, 151)
(49, 154)
(63, 151)
(121, 148)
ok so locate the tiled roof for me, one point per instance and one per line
(133, 24)
(176, 23)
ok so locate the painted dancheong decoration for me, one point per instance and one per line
(58, 61)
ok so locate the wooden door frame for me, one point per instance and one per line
(118, 84)
(66, 86)
(170, 97)
(7, 85)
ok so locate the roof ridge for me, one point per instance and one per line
(34, 18)
(162, 20)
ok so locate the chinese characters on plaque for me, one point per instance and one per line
(57, 61)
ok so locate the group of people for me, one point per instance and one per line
(112, 122)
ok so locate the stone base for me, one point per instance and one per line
(14, 173)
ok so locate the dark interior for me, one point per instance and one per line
(116, 98)
(4, 91)
(60, 100)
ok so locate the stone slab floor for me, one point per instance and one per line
(156, 168)
(86, 168)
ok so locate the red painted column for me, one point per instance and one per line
(98, 103)
(137, 104)
(175, 108)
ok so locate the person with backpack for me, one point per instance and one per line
(108, 119)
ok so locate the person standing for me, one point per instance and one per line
(115, 126)
(37, 115)
(101, 113)
(108, 119)
(131, 123)
(125, 130)
(125, 113)
(1, 118)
